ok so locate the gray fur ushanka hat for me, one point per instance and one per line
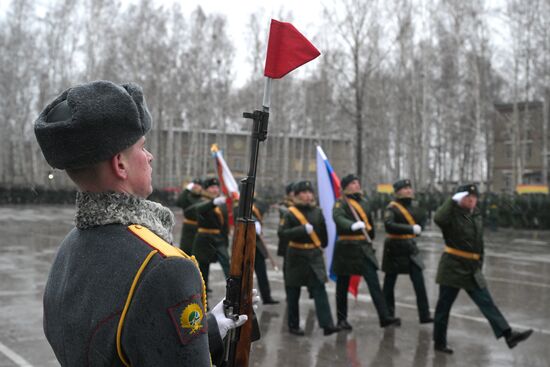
(90, 123)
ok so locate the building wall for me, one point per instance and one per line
(531, 141)
(281, 159)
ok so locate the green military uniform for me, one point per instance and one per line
(354, 255)
(259, 260)
(283, 209)
(187, 201)
(211, 241)
(305, 265)
(401, 254)
(460, 268)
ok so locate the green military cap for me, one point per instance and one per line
(303, 186)
(346, 180)
(398, 185)
(212, 181)
(470, 188)
(289, 188)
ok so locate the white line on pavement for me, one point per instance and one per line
(16, 358)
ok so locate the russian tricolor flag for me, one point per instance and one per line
(330, 190)
(328, 185)
(228, 184)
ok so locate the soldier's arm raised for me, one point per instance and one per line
(443, 215)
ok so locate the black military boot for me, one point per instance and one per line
(514, 337)
(297, 331)
(427, 320)
(443, 349)
(344, 325)
(270, 301)
(395, 321)
(330, 330)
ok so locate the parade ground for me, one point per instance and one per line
(517, 267)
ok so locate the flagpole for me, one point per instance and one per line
(267, 94)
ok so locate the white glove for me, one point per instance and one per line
(459, 196)
(417, 229)
(309, 228)
(358, 226)
(189, 186)
(258, 227)
(224, 323)
(220, 200)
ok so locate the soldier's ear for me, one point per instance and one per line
(119, 166)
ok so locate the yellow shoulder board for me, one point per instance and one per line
(164, 248)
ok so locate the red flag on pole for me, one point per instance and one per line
(287, 49)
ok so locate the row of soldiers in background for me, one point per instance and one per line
(528, 211)
(205, 231)
(302, 233)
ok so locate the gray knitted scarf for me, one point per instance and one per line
(98, 209)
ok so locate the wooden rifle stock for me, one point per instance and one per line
(239, 284)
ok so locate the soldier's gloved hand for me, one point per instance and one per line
(309, 228)
(417, 229)
(459, 196)
(258, 226)
(189, 186)
(358, 226)
(220, 200)
(224, 323)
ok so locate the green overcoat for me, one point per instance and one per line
(463, 231)
(304, 267)
(351, 256)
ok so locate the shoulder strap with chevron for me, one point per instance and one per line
(163, 248)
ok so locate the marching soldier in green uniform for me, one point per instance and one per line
(211, 241)
(190, 196)
(401, 255)
(287, 202)
(304, 227)
(353, 252)
(460, 267)
(259, 260)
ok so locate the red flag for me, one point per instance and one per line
(287, 49)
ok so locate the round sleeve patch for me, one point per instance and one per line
(188, 318)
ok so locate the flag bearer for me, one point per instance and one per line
(190, 196)
(211, 241)
(353, 252)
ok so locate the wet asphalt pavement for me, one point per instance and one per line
(517, 268)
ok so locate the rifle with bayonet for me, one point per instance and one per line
(238, 297)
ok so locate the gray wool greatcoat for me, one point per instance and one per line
(87, 289)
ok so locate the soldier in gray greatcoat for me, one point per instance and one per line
(118, 292)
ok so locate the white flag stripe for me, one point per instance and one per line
(228, 178)
(326, 201)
